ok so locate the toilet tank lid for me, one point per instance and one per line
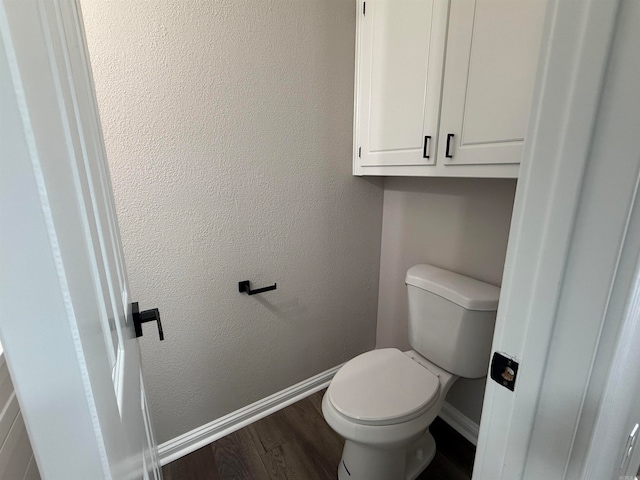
(464, 291)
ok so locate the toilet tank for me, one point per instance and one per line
(451, 319)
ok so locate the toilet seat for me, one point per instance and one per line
(383, 387)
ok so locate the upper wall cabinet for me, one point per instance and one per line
(444, 88)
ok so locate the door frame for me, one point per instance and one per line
(29, 257)
(520, 435)
(85, 411)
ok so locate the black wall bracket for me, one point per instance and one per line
(139, 318)
(245, 287)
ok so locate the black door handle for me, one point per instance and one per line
(425, 149)
(139, 318)
(449, 137)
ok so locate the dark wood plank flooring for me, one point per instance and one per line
(296, 443)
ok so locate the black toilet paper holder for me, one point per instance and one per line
(245, 287)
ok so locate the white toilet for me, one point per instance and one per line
(382, 402)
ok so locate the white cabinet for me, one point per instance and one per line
(444, 88)
(400, 60)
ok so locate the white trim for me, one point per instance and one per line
(618, 410)
(212, 431)
(615, 381)
(199, 437)
(569, 224)
(460, 422)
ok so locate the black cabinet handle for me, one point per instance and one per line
(449, 137)
(139, 318)
(425, 149)
(245, 287)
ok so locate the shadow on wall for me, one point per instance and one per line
(289, 311)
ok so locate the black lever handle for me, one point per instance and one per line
(448, 152)
(425, 149)
(245, 287)
(139, 318)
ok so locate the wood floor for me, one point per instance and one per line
(296, 443)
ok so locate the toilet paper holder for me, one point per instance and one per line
(245, 287)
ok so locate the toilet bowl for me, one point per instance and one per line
(382, 402)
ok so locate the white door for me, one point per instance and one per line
(399, 75)
(570, 300)
(65, 311)
(492, 54)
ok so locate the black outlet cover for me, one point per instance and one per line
(504, 371)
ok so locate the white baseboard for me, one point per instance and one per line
(199, 437)
(460, 422)
(204, 435)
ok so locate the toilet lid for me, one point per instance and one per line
(383, 387)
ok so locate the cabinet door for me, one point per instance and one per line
(400, 51)
(491, 60)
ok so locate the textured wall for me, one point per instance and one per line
(228, 127)
(454, 223)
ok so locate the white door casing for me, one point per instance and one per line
(65, 311)
(572, 257)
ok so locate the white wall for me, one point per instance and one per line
(458, 224)
(228, 127)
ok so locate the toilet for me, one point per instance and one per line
(382, 402)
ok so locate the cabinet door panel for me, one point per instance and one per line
(492, 55)
(401, 45)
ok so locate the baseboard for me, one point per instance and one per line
(204, 435)
(460, 422)
(199, 437)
